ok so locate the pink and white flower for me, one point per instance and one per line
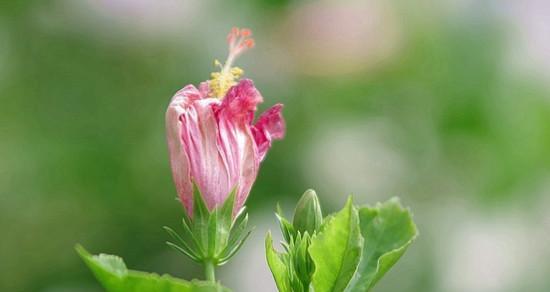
(212, 138)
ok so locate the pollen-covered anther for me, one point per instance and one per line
(237, 72)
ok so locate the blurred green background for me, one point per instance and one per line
(443, 103)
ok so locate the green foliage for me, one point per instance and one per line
(112, 273)
(279, 268)
(388, 230)
(350, 251)
(293, 268)
(287, 229)
(211, 236)
(301, 260)
(336, 250)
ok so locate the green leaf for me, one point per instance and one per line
(277, 266)
(112, 273)
(388, 230)
(336, 250)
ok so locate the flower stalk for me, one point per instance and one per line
(210, 271)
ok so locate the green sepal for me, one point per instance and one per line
(237, 236)
(200, 219)
(233, 249)
(287, 229)
(184, 247)
(303, 263)
(211, 236)
(277, 265)
(238, 227)
(297, 267)
(292, 268)
(113, 275)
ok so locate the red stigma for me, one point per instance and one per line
(239, 40)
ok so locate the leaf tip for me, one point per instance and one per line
(349, 201)
(82, 252)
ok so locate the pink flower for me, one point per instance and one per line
(214, 143)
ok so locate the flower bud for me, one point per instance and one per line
(307, 215)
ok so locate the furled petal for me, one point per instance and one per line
(236, 139)
(194, 156)
(179, 161)
(270, 126)
(204, 89)
(213, 144)
(241, 100)
(208, 167)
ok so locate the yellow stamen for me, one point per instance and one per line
(239, 41)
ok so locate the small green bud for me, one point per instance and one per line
(307, 215)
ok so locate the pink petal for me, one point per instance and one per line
(270, 126)
(240, 152)
(204, 89)
(213, 144)
(236, 140)
(241, 100)
(186, 95)
(208, 167)
(179, 160)
(194, 156)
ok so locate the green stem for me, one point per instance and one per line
(209, 271)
